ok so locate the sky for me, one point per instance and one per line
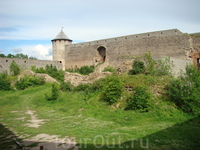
(28, 26)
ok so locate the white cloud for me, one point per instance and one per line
(1, 51)
(89, 19)
(17, 50)
(39, 51)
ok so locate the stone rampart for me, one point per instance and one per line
(172, 43)
(27, 63)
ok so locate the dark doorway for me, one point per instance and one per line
(198, 63)
(102, 54)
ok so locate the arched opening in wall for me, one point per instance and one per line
(101, 54)
(198, 63)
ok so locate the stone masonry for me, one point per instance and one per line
(182, 48)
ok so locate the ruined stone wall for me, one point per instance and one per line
(196, 42)
(171, 43)
(27, 63)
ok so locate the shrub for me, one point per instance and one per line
(66, 86)
(4, 82)
(110, 69)
(40, 70)
(184, 90)
(138, 67)
(33, 68)
(52, 71)
(55, 92)
(112, 90)
(27, 81)
(14, 68)
(82, 87)
(98, 85)
(140, 99)
(84, 70)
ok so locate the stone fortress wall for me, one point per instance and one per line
(182, 48)
(173, 43)
(26, 63)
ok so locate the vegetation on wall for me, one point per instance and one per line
(84, 70)
(50, 70)
(154, 67)
(157, 67)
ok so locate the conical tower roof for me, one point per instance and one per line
(61, 36)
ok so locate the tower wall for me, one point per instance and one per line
(59, 50)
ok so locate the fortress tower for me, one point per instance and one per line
(58, 45)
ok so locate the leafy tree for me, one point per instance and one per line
(20, 55)
(157, 67)
(2, 55)
(10, 56)
(184, 90)
(14, 68)
(112, 90)
(33, 58)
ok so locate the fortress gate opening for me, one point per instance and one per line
(101, 54)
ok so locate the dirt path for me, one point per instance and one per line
(34, 122)
(45, 141)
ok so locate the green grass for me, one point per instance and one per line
(94, 124)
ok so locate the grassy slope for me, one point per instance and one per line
(94, 124)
